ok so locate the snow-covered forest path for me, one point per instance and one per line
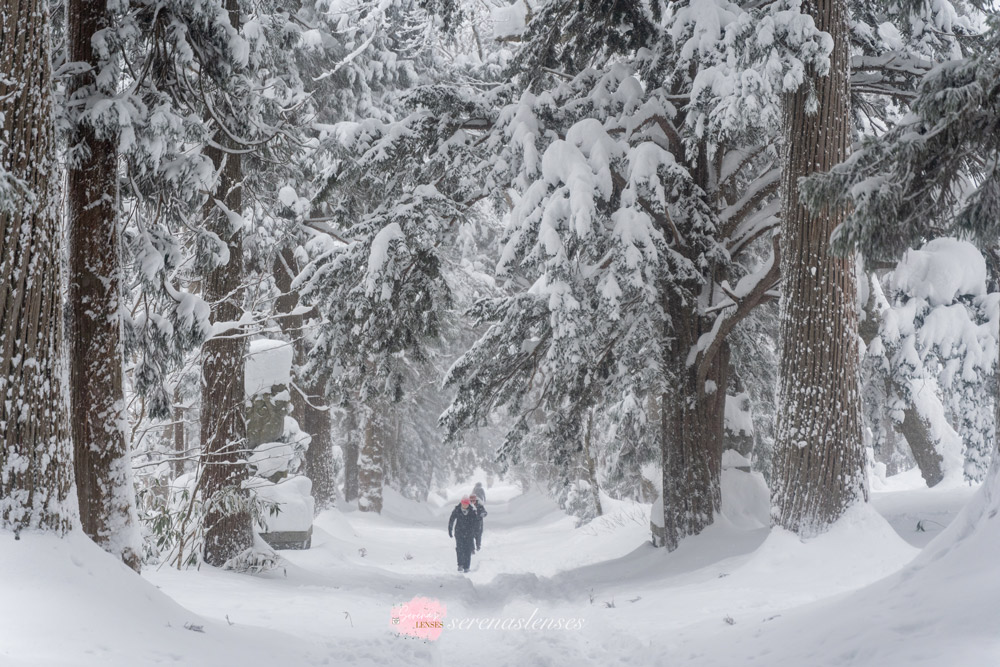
(334, 601)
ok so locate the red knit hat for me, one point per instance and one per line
(465, 500)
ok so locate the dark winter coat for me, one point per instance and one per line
(481, 512)
(463, 525)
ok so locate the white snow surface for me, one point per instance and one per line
(739, 418)
(66, 602)
(942, 270)
(272, 457)
(746, 500)
(294, 500)
(509, 21)
(269, 363)
(738, 594)
(733, 459)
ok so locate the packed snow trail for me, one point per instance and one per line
(637, 605)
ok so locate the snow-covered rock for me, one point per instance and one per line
(733, 459)
(272, 457)
(294, 500)
(269, 363)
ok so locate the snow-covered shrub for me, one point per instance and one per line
(577, 498)
(172, 519)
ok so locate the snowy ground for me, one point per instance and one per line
(735, 595)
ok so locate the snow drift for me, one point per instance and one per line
(67, 602)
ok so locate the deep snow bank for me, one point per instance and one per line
(66, 602)
(941, 609)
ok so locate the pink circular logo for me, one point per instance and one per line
(422, 618)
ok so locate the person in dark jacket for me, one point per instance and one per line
(474, 501)
(480, 492)
(463, 524)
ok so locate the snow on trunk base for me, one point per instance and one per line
(746, 500)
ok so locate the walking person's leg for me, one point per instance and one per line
(466, 556)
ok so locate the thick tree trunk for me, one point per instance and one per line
(228, 525)
(180, 444)
(36, 453)
(918, 436)
(692, 422)
(351, 481)
(371, 461)
(98, 417)
(392, 433)
(588, 454)
(319, 458)
(819, 453)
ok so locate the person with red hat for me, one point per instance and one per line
(463, 525)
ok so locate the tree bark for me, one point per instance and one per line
(693, 411)
(319, 457)
(351, 481)
(392, 433)
(918, 436)
(97, 400)
(180, 444)
(692, 422)
(371, 473)
(595, 490)
(227, 525)
(36, 473)
(819, 453)
(223, 422)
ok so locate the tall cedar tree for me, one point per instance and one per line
(819, 458)
(97, 408)
(214, 113)
(36, 451)
(228, 526)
